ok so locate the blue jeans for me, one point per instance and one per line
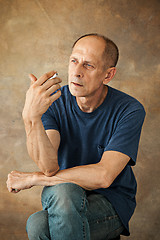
(71, 213)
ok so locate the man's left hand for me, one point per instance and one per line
(18, 181)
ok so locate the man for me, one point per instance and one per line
(84, 138)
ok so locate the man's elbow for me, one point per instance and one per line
(50, 172)
(106, 181)
(105, 184)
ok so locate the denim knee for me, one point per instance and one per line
(65, 197)
(66, 204)
(37, 226)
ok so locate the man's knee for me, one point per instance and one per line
(64, 197)
(37, 226)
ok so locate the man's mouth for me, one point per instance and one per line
(77, 84)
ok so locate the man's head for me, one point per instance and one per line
(92, 64)
(110, 54)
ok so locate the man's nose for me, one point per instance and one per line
(78, 71)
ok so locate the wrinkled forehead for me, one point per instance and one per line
(89, 47)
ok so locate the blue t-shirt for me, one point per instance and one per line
(115, 125)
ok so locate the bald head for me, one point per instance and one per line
(110, 53)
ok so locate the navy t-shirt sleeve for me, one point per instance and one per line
(125, 138)
(49, 120)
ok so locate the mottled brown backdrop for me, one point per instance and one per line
(36, 36)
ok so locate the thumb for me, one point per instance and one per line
(32, 78)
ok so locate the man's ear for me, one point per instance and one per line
(109, 75)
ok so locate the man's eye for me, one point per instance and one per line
(89, 65)
(73, 60)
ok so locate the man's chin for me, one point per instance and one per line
(75, 93)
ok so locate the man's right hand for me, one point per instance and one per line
(40, 95)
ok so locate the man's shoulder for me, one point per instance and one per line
(123, 99)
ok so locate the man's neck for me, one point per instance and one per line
(89, 104)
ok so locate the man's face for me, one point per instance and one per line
(86, 68)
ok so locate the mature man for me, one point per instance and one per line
(84, 138)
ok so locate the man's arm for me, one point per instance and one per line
(90, 177)
(41, 148)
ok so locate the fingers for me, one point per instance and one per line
(52, 89)
(51, 82)
(50, 86)
(9, 188)
(39, 95)
(44, 78)
(49, 100)
(15, 190)
(55, 96)
(9, 182)
(46, 83)
(32, 78)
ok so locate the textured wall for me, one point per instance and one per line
(36, 36)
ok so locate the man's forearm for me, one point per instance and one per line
(89, 177)
(40, 95)
(40, 148)
(92, 176)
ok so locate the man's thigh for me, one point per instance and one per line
(103, 220)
